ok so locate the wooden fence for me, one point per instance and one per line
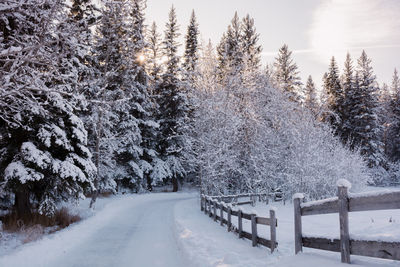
(210, 205)
(343, 204)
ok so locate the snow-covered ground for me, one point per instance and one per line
(131, 230)
(168, 229)
(11, 241)
(208, 244)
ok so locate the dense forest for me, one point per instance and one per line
(95, 99)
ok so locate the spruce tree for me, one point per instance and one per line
(222, 57)
(136, 128)
(311, 96)
(348, 83)
(121, 114)
(286, 74)
(366, 132)
(230, 51)
(234, 51)
(395, 87)
(170, 44)
(82, 16)
(43, 144)
(153, 58)
(335, 104)
(190, 57)
(251, 48)
(394, 130)
(172, 102)
(190, 72)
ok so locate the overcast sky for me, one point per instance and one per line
(314, 30)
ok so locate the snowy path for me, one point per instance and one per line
(130, 231)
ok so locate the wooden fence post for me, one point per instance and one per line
(215, 210)
(229, 218)
(201, 202)
(298, 242)
(272, 228)
(209, 208)
(221, 215)
(240, 226)
(253, 229)
(344, 224)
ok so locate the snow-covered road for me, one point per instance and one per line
(130, 231)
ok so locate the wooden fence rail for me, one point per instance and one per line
(343, 204)
(210, 205)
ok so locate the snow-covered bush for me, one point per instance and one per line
(252, 137)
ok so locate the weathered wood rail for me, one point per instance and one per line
(343, 204)
(210, 205)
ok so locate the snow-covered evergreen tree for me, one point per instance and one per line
(366, 132)
(44, 155)
(121, 120)
(311, 101)
(172, 113)
(153, 55)
(190, 57)
(393, 134)
(335, 102)
(230, 51)
(286, 74)
(190, 75)
(348, 83)
(170, 44)
(251, 48)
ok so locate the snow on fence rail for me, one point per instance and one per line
(343, 204)
(210, 205)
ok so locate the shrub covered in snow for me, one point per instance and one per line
(253, 137)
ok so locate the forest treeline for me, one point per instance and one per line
(93, 99)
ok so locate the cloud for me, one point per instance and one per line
(344, 25)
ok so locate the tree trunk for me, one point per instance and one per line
(149, 186)
(97, 162)
(174, 184)
(22, 204)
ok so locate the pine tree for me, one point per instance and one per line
(234, 51)
(153, 66)
(43, 144)
(366, 132)
(172, 102)
(249, 39)
(170, 44)
(190, 74)
(335, 104)
(394, 131)
(121, 117)
(348, 83)
(395, 82)
(286, 74)
(222, 57)
(78, 31)
(311, 96)
(230, 51)
(190, 57)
